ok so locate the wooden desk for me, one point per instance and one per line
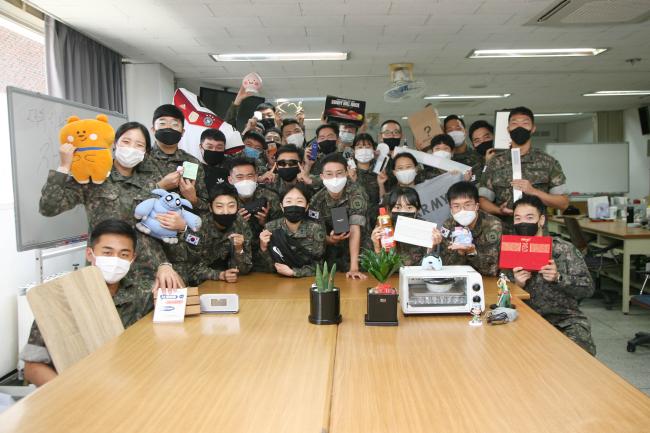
(264, 370)
(267, 369)
(273, 286)
(438, 374)
(635, 241)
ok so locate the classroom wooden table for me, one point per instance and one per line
(635, 240)
(267, 369)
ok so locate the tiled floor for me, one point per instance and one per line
(611, 329)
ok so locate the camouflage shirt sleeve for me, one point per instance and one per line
(575, 279)
(485, 186)
(231, 114)
(243, 261)
(35, 349)
(557, 178)
(317, 249)
(59, 194)
(486, 260)
(358, 206)
(202, 205)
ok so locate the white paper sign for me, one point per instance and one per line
(501, 135)
(170, 306)
(516, 172)
(415, 232)
(433, 161)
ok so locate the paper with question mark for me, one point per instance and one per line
(424, 125)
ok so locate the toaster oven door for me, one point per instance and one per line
(424, 292)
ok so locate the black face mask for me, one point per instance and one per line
(526, 229)
(225, 219)
(392, 142)
(520, 135)
(288, 174)
(268, 123)
(213, 157)
(293, 214)
(327, 146)
(168, 136)
(404, 214)
(482, 148)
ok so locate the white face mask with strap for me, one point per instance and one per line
(113, 268)
(128, 157)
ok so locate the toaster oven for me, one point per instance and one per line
(453, 289)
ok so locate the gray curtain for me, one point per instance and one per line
(81, 69)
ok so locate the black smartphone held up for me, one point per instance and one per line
(340, 222)
(255, 206)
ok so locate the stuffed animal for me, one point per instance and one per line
(93, 139)
(432, 262)
(168, 201)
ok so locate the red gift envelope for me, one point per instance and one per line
(528, 252)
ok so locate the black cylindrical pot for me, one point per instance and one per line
(325, 307)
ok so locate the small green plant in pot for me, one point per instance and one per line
(324, 298)
(382, 299)
(382, 266)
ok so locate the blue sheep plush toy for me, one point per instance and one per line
(168, 201)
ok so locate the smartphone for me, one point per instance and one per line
(314, 150)
(257, 115)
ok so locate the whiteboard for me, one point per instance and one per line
(34, 123)
(593, 168)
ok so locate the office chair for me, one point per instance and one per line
(642, 301)
(594, 258)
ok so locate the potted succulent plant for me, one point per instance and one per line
(324, 298)
(382, 299)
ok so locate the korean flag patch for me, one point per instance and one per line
(313, 214)
(444, 232)
(192, 239)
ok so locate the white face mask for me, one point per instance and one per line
(246, 188)
(442, 154)
(346, 137)
(458, 136)
(128, 157)
(113, 268)
(364, 155)
(296, 139)
(405, 177)
(336, 184)
(464, 217)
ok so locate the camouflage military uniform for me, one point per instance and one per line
(368, 179)
(486, 236)
(558, 302)
(542, 170)
(281, 186)
(275, 212)
(472, 159)
(132, 301)
(353, 197)
(412, 255)
(214, 251)
(116, 198)
(310, 236)
(429, 172)
(166, 164)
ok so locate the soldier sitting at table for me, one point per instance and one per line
(293, 245)
(483, 251)
(557, 288)
(221, 249)
(112, 249)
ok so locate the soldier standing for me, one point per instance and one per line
(542, 175)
